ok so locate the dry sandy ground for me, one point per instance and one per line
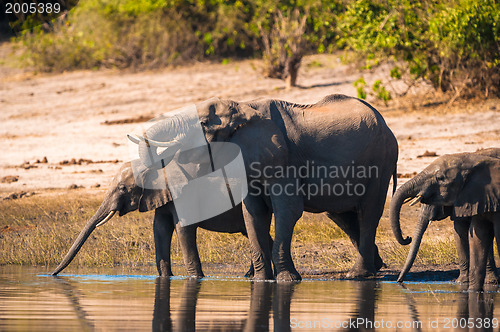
(70, 115)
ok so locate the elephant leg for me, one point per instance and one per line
(492, 276)
(287, 211)
(349, 223)
(491, 259)
(163, 228)
(187, 241)
(368, 219)
(462, 243)
(257, 217)
(480, 240)
(251, 271)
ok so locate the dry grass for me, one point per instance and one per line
(38, 230)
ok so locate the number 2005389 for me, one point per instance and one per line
(32, 8)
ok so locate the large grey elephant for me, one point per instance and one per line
(466, 187)
(335, 156)
(126, 195)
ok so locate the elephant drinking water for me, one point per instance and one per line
(465, 187)
(335, 156)
(316, 158)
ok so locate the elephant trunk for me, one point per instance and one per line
(407, 191)
(102, 215)
(424, 221)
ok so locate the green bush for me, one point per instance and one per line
(454, 44)
(151, 33)
(144, 34)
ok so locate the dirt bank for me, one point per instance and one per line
(78, 121)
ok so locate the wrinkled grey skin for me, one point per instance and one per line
(466, 187)
(338, 130)
(125, 196)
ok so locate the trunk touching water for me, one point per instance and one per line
(407, 191)
(102, 215)
(423, 222)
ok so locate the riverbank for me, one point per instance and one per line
(38, 230)
(64, 138)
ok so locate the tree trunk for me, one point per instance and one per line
(293, 65)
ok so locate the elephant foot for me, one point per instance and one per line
(475, 288)
(463, 278)
(492, 278)
(164, 269)
(287, 276)
(360, 273)
(196, 274)
(379, 264)
(261, 276)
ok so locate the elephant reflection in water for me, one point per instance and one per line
(186, 320)
(265, 298)
(367, 295)
(74, 298)
(476, 306)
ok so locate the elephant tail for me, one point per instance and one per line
(394, 180)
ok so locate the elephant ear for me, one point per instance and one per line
(262, 144)
(155, 192)
(481, 190)
(440, 212)
(154, 198)
(228, 116)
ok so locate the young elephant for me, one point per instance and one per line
(466, 187)
(125, 196)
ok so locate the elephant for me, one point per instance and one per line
(466, 187)
(281, 144)
(126, 195)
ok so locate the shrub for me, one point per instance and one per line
(141, 34)
(454, 44)
(152, 33)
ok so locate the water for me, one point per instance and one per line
(32, 300)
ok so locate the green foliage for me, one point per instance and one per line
(152, 33)
(378, 90)
(144, 34)
(454, 44)
(360, 85)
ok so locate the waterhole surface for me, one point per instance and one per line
(31, 300)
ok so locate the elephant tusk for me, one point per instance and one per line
(162, 144)
(134, 139)
(109, 216)
(137, 139)
(416, 200)
(407, 200)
